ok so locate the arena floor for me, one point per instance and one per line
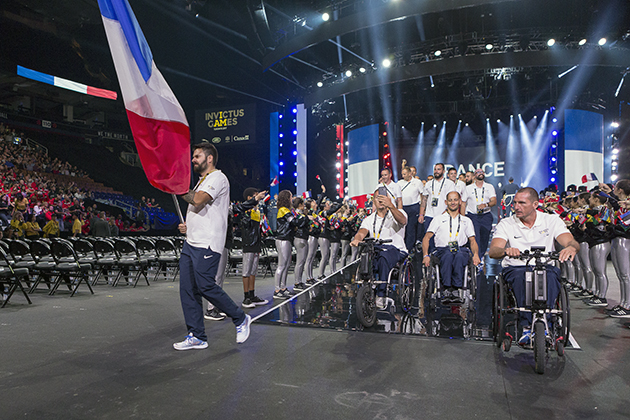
(110, 356)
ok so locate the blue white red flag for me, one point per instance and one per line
(274, 182)
(306, 194)
(157, 120)
(588, 177)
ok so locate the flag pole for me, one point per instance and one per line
(179, 211)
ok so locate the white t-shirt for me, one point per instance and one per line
(479, 195)
(393, 191)
(437, 190)
(445, 229)
(207, 224)
(387, 228)
(411, 191)
(460, 187)
(545, 230)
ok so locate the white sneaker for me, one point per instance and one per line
(242, 331)
(191, 342)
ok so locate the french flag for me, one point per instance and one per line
(363, 158)
(589, 177)
(157, 120)
(274, 182)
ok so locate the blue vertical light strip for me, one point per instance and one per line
(273, 151)
(301, 149)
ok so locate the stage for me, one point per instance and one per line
(110, 356)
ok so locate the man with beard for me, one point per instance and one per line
(205, 228)
(469, 177)
(481, 198)
(434, 199)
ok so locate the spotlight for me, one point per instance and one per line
(280, 116)
(294, 111)
(295, 153)
(555, 120)
(387, 63)
(554, 133)
(348, 73)
(489, 47)
(554, 145)
(320, 84)
(281, 172)
(602, 42)
(498, 120)
(362, 69)
(295, 132)
(615, 151)
(553, 171)
(582, 41)
(466, 124)
(553, 159)
(553, 179)
(325, 17)
(437, 53)
(281, 163)
(614, 124)
(338, 165)
(551, 42)
(614, 177)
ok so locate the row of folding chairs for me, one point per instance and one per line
(58, 261)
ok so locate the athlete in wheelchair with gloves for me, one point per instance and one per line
(526, 236)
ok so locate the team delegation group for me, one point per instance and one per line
(451, 217)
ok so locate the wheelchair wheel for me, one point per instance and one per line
(539, 346)
(564, 323)
(366, 306)
(472, 285)
(406, 286)
(499, 309)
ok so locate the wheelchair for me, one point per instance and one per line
(400, 282)
(550, 326)
(462, 311)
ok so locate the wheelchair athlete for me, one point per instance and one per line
(525, 229)
(452, 233)
(387, 222)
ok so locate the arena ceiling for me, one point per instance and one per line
(494, 58)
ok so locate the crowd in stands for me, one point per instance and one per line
(45, 197)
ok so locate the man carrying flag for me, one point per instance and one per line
(162, 137)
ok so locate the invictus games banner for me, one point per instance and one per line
(227, 125)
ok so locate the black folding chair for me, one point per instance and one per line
(168, 257)
(12, 277)
(129, 260)
(68, 267)
(45, 266)
(106, 259)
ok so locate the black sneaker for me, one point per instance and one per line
(214, 315)
(279, 295)
(258, 301)
(613, 309)
(247, 303)
(299, 286)
(595, 301)
(311, 282)
(620, 313)
(287, 293)
(584, 294)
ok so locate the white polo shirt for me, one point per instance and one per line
(393, 191)
(411, 191)
(207, 224)
(446, 229)
(386, 228)
(545, 230)
(439, 190)
(479, 195)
